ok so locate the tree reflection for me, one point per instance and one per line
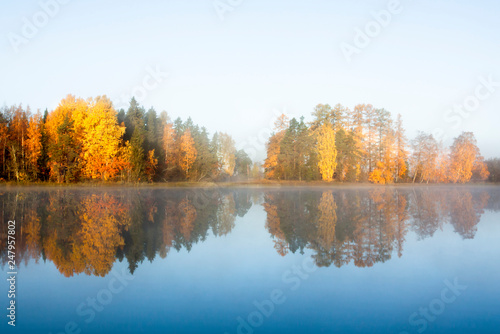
(87, 231)
(367, 227)
(466, 211)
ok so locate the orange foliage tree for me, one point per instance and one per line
(187, 152)
(272, 169)
(101, 140)
(34, 143)
(465, 158)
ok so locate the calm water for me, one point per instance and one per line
(357, 260)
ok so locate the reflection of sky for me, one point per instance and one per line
(206, 289)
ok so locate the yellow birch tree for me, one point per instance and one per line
(327, 152)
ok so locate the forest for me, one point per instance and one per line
(89, 141)
(367, 144)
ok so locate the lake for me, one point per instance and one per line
(249, 260)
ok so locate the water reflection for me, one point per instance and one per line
(84, 231)
(367, 227)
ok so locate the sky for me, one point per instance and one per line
(235, 65)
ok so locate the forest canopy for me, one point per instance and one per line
(367, 144)
(88, 140)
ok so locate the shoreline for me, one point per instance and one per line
(237, 184)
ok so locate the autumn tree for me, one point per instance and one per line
(424, 157)
(226, 153)
(3, 143)
(322, 115)
(327, 152)
(187, 153)
(465, 157)
(386, 160)
(347, 156)
(327, 220)
(271, 167)
(151, 164)
(102, 139)
(243, 163)
(64, 131)
(18, 129)
(34, 144)
(170, 147)
(401, 149)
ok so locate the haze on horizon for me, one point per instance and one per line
(236, 68)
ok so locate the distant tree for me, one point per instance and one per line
(227, 153)
(63, 153)
(243, 163)
(136, 157)
(493, 166)
(272, 169)
(150, 166)
(169, 146)
(187, 153)
(133, 117)
(322, 115)
(424, 157)
(465, 158)
(401, 149)
(34, 144)
(296, 150)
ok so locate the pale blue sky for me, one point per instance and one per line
(230, 74)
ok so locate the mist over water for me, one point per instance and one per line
(298, 260)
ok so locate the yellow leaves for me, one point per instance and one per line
(226, 153)
(382, 174)
(273, 151)
(327, 220)
(327, 152)
(376, 176)
(187, 152)
(34, 141)
(187, 217)
(168, 141)
(95, 133)
(99, 236)
(151, 164)
(466, 159)
(101, 139)
(226, 214)
(72, 108)
(282, 123)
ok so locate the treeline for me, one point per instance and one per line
(367, 144)
(89, 140)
